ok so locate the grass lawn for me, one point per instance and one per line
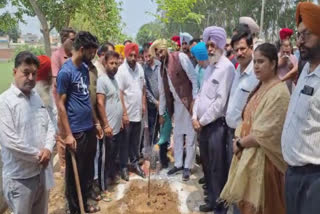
(6, 75)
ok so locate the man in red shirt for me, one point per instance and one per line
(58, 58)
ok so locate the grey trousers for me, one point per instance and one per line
(26, 196)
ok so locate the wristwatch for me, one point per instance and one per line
(238, 143)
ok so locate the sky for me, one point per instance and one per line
(133, 15)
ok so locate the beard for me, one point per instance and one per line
(228, 53)
(132, 63)
(86, 60)
(213, 59)
(308, 54)
(112, 72)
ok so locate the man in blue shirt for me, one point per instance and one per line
(78, 123)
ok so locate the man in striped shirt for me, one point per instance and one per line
(301, 132)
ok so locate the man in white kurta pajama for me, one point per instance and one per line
(172, 64)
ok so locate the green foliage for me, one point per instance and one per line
(101, 17)
(225, 13)
(33, 49)
(149, 32)
(57, 13)
(178, 11)
(7, 21)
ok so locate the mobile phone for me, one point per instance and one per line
(307, 90)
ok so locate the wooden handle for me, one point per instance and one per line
(76, 178)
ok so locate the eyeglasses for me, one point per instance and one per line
(303, 35)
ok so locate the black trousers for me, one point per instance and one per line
(214, 154)
(130, 145)
(154, 129)
(229, 140)
(302, 188)
(85, 153)
(111, 152)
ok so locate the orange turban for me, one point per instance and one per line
(131, 47)
(310, 16)
(44, 69)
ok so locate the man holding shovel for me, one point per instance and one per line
(79, 124)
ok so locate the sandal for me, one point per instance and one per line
(106, 196)
(92, 207)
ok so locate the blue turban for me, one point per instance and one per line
(199, 51)
(217, 35)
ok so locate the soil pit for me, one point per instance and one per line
(136, 201)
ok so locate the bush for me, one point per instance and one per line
(33, 49)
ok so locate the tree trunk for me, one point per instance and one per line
(44, 25)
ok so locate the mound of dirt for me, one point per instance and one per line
(136, 201)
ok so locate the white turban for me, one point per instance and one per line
(185, 37)
(253, 26)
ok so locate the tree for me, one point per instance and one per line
(12, 31)
(150, 32)
(7, 21)
(175, 13)
(51, 14)
(226, 13)
(100, 17)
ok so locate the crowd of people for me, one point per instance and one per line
(252, 108)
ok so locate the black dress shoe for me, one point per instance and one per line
(124, 174)
(206, 199)
(164, 166)
(205, 187)
(205, 192)
(139, 171)
(206, 208)
(186, 174)
(174, 170)
(202, 180)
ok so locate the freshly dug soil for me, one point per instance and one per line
(57, 200)
(136, 201)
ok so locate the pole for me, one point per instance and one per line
(76, 178)
(262, 17)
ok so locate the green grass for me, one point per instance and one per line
(6, 75)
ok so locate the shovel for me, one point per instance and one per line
(76, 178)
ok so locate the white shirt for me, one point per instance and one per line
(301, 133)
(243, 83)
(182, 117)
(25, 129)
(211, 102)
(131, 82)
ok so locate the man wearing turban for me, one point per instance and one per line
(185, 39)
(178, 89)
(120, 50)
(199, 51)
(176, 40)
(285, 34)
(44, 76)
(130, 78)
(254, 29)
(208, 117)
(301, 133)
